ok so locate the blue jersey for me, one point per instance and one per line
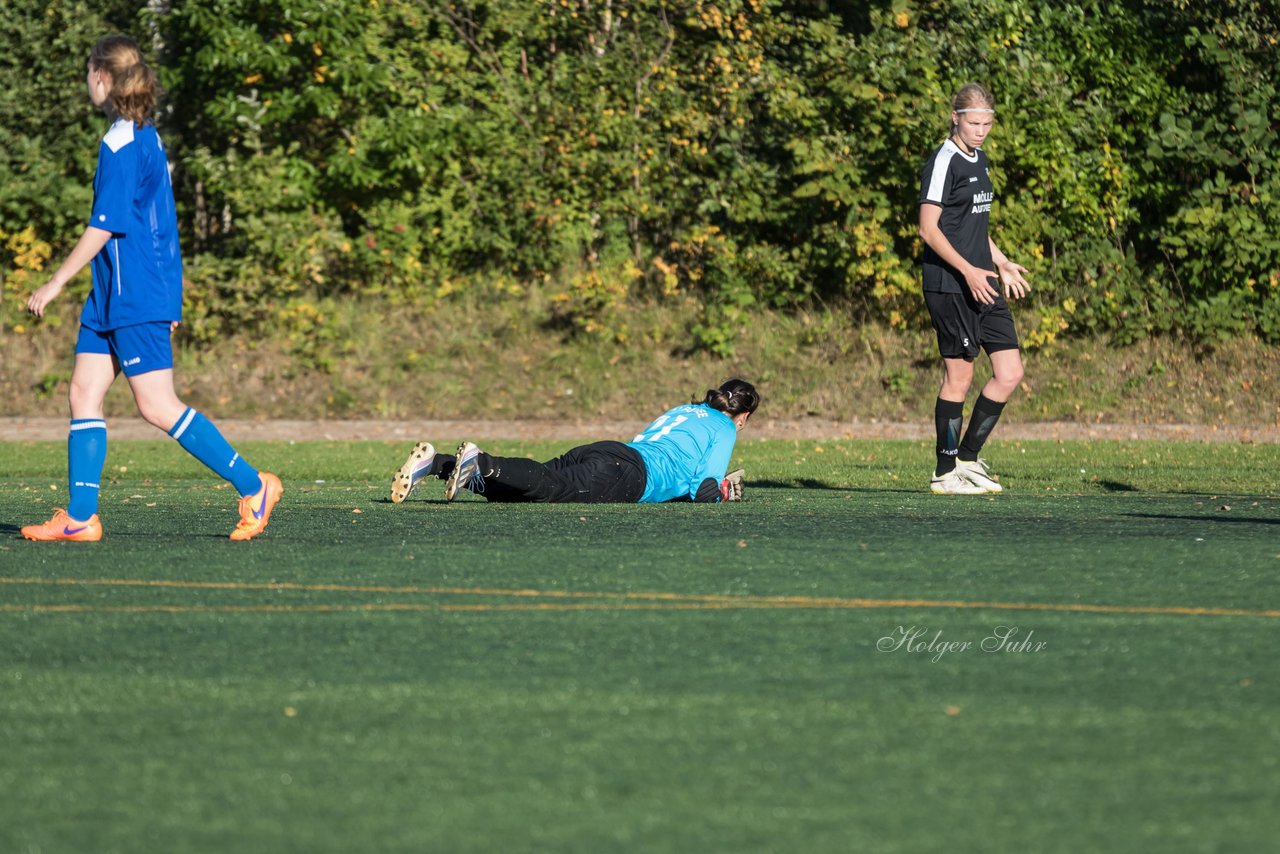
(137, 277)
(682, 448)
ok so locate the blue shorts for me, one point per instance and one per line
(136, 349)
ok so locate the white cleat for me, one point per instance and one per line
(466, 472)
(977, 473)
(412, 472)
(952, 483)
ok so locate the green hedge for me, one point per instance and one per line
(733, 151)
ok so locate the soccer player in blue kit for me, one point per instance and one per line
(135, 303)
(682, 456)
(966, 279)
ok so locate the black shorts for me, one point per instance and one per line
(602, 472)
(965, 326)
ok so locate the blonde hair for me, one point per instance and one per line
(971, 96)
(133, 84)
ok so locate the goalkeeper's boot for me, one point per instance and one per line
(978, 473)
(255, 510)
(421, 463)
(63, 527)
(952, 483)
(466, 472)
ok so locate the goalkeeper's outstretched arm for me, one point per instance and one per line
(708, 491)
(729, 489)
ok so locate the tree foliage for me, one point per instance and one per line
(729, 152)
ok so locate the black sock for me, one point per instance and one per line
(948, 415)
(982, 421)
(442, 466)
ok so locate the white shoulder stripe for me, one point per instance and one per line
(938, 180)
(120, 135)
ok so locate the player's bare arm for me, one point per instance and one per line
(975, 278)
(89, 245)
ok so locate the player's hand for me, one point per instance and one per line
(42, 296)
(1014, 285)
(731, 486)
(979, 282)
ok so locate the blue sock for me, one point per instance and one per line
(197, 435)
(86, 454)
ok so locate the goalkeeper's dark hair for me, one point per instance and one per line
(733, 398)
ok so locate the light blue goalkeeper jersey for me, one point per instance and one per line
(682, 448)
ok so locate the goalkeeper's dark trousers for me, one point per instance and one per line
(599, 473)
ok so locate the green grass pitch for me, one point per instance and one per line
(804, 671)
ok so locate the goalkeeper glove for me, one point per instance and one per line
(731, 486)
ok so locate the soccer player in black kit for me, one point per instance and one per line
(966, 279)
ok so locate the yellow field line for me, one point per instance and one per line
(615, 600)
(278, 586)
(403, 606)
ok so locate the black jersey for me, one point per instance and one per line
(959, 184)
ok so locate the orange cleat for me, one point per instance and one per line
(255, 510)
(63, 527)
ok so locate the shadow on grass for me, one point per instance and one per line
(808, 483)
(1117, 486)
(1223, 518)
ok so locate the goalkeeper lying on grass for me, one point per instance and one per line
(681, 456)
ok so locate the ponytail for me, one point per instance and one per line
(733, 398)
(134, 89)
